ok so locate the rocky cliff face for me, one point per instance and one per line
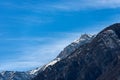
(98, 59)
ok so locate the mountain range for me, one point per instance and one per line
(91, 57)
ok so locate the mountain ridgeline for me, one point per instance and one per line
(98, 59)
(91, 57)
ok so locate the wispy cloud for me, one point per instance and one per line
(26, 39)
(22, 66)
(65, 5)
(33, 56)
(77, 5)
(37, 12)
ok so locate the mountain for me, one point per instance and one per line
(96, 59)
(15, 75)
(12, 75)
(91, 57)
(85, 38)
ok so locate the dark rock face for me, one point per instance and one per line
(97, 60)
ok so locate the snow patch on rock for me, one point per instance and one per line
(51, 63)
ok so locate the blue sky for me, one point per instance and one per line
(33, 32)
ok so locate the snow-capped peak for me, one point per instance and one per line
(85, 38)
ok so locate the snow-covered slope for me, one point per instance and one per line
(34, 72)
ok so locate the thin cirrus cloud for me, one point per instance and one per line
(29, 20)
(68, 5)
(37, 12)
(86, 4)
(72, 5)
(25, 39)
(33, 56)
